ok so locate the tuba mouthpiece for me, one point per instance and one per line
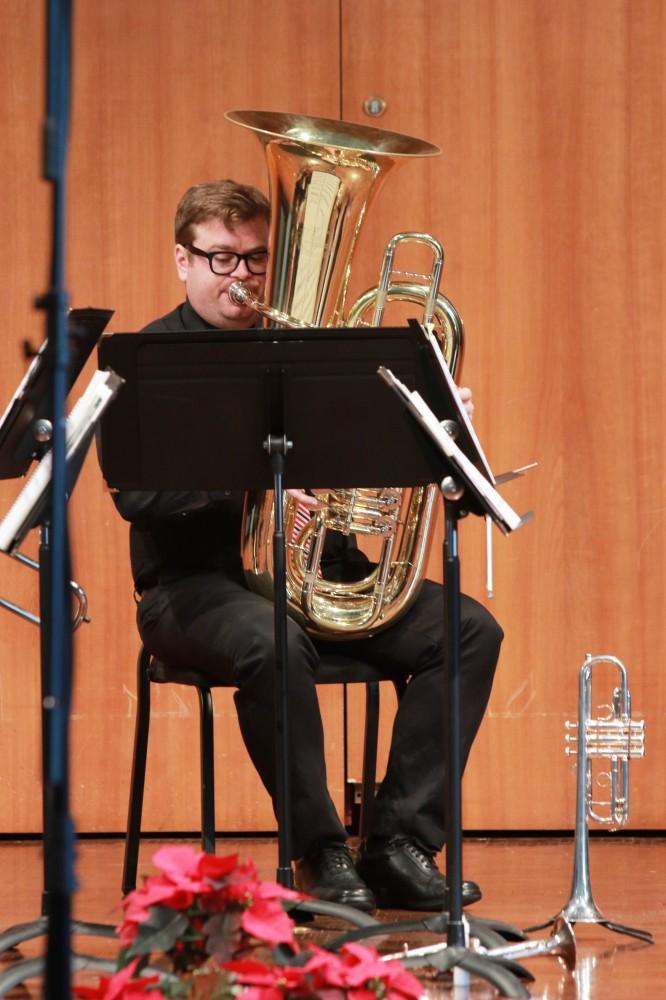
(239, 294)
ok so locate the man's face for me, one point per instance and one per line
(208, 292)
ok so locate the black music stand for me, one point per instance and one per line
(464, 490)
(215, 402)
(20, 424)
(203, 411)
(25, 421)
(466, 486)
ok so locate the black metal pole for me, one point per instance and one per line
(59, 840)
(455, 928)
(277, 447)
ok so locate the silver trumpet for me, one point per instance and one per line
(615, 737)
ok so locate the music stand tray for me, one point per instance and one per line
(32, 400)
(197, 407)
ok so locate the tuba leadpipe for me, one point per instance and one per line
(323, 175)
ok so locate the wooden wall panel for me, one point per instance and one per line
(25, 205)
(548, 197)
(151, 84)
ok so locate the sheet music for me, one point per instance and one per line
(101, 389)
(25, 382)
(462, 412)
(504, 515)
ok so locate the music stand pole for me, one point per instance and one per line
(452, 488)
(458, 957)
(277, 447)
(452, 727)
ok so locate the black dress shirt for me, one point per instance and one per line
(176, 533)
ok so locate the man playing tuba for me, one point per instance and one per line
(194, 609)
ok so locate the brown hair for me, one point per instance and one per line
(225, 200)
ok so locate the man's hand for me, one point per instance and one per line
(304, 499)
(465, 395)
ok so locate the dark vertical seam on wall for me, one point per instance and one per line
(340, 49)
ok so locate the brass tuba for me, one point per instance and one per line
(323, 174)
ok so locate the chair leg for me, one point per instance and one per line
(207, 771)
(370, 740)
(138, 778)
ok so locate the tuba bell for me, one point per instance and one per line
(323, 174)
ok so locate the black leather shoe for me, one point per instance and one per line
(403, 876)
(330, 874)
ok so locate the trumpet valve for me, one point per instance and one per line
(619, 738)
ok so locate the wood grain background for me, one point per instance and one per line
(549, 199)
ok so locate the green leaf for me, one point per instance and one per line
(175, 990)
(159, 932)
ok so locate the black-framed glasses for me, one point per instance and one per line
(225, 261)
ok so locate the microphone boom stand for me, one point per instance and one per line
(57, 635)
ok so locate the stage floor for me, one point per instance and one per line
(524, 881)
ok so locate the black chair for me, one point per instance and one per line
(333, 669)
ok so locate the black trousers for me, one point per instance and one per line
(213, 623)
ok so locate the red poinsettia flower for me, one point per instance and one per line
(156, 892)
(206, 874)
(206, 910)
(364, 968)
(325, 967)
(181, 865)
(361, 964)
(217, 869)
(272, 890)
(265, 919)
(268, 979)
(121, 987)
(360, 972)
